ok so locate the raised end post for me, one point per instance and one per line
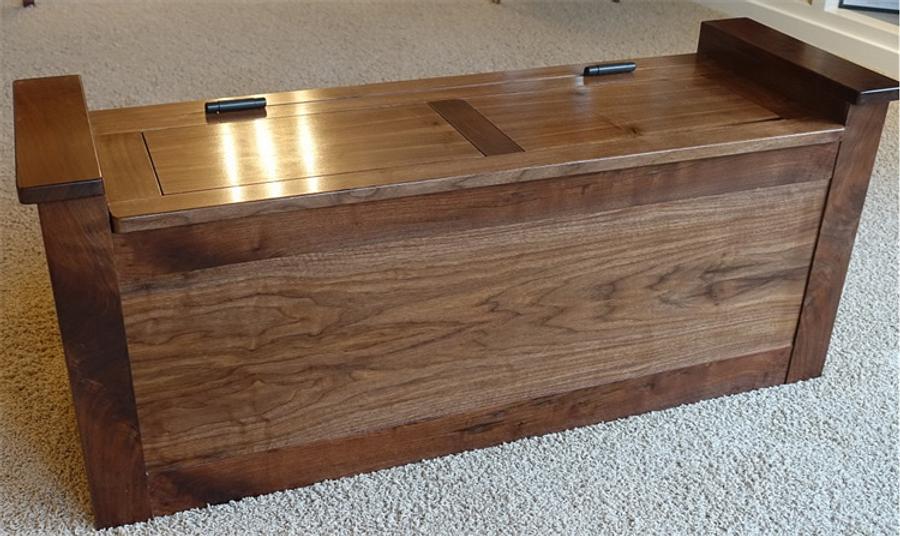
(842, 91)
(57, 168)
(55, 155)
(809, 75)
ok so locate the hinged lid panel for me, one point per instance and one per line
(318, 148)
(264, 150)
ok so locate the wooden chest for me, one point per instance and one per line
(355, 278)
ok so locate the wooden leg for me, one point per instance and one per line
(79, 253)
(843, 208)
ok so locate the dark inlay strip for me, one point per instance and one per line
(476, 128)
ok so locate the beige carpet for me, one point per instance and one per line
(814, 458)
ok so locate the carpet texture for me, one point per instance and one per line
(820, 457)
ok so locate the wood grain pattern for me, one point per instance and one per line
(127, 170)
(320, 346)
(242, 476)
(407, 181)
(489, 139)
(592, 113)
(140, 118)
(846, 197)
(362, 277)
(264, 150)
(51, 113)
(383, 138)
(793, 65)
(144, 254)
(79, 255)
(670, 109)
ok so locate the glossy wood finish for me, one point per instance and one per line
(307, 101)
(352, 188)
(791, 67)
(590, 113)
(846, 197)
(51, 113)
(368, 276)
(792, 64)
(320, 148)
(144, 254)
(85, 288)
(127, 170)
(234, 477)
(267, 150)
(323, 345)
(489, 139)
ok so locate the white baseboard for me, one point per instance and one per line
(853, 36)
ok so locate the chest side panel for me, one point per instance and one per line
(342, 340)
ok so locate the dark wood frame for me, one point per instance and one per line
(78, 242)
(68, 189)
(856, 97)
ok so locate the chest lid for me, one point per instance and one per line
(174, 164)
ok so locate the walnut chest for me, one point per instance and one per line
(353, 278)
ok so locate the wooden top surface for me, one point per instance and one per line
(50, 113)
(172, 164)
